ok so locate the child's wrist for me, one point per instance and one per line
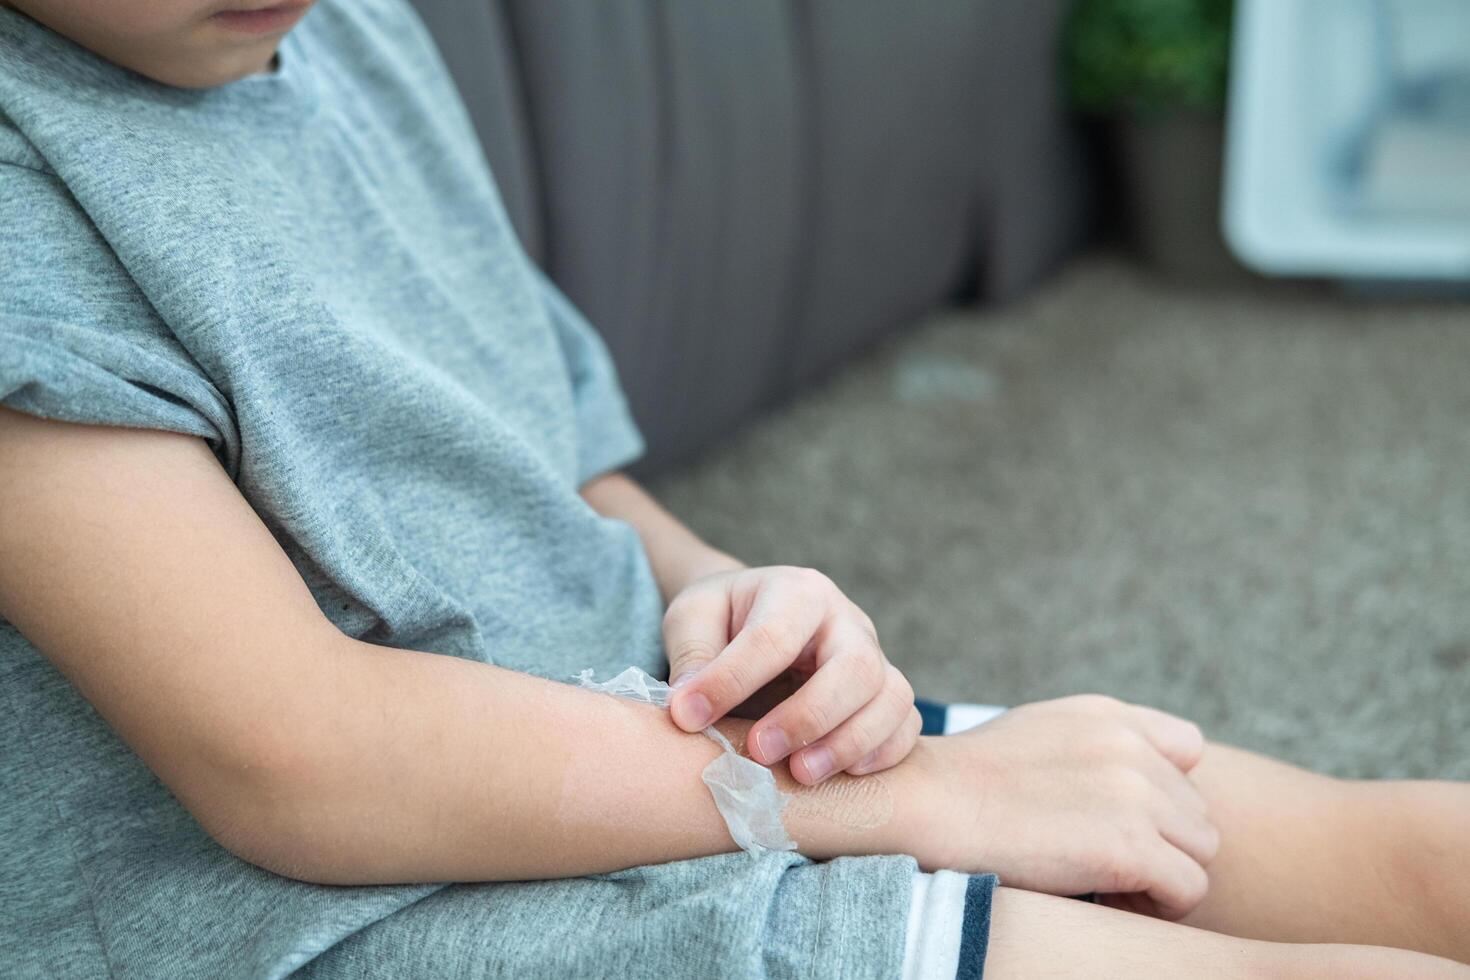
(888, 812)
(923, 826)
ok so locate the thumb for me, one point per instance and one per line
(696, 629)
(688, 661)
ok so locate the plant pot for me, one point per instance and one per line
(1170, 171)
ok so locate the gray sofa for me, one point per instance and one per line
(742, 193)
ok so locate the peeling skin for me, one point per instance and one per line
(852, 802)
(592, 793)
(849, 802)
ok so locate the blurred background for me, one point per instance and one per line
(1116, 345)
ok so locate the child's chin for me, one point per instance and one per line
(212, 72)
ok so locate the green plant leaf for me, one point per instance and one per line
(1147, 56)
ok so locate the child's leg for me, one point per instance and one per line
(1033, 935)
(1307, 858)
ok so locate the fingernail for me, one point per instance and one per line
(773, 744)
(693, 712)
(866, 764)
(819, 762)
(683, 678)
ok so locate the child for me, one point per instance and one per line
(308, 501)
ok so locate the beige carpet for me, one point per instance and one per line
(1251, 508)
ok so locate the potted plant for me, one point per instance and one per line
(1154, 74)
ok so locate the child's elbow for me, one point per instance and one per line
(278, 842)
(285, 855)
(265, 806)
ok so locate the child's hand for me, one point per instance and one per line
(734, 635)
(1082, 794)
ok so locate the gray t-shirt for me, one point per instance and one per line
(312, 271)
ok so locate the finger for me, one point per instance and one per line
(782, 620)
(1191, 832)
(696, 629)
(1179, 882)
(1180, 741)
(1165, 775)
(851, 742)
(893, 751)
(852, 673)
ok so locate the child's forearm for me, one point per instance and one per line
(677, 555)
(418, 767)
(178, 616)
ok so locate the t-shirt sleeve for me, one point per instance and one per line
(607, 436)
(79, 342)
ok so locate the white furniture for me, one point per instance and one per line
(1348, 148)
